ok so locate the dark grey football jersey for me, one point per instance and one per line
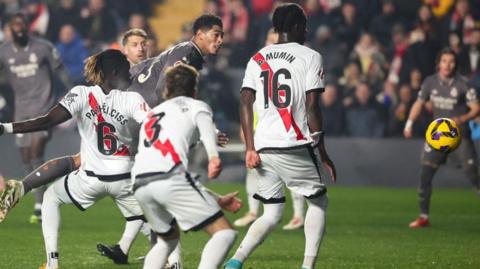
(29, 72)
(149, 75)
(449, 98)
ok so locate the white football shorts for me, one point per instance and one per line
(297, 168)
(177, 198)
(84, 191)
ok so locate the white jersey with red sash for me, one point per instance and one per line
(102, 122)
(281, 75)
(167, 135)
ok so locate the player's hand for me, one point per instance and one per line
(214, 167)
(332, 171)
(458, 120)
(252, 159)
(222, 139)
(230, 202)
(407, 133)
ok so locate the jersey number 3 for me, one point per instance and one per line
(281, 94)
(152, 131)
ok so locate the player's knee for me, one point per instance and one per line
(273, 213)
(321, 201)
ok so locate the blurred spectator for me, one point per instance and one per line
(426, 23)
(186, 33)
(98, 22)
(415, 81)
(67, 12)
(333, 56)
(396, 52)
(352, 76)
(347, 27)
(439, 8)
(454, 42)
(420, 55)
(235, 19)
(383, 23)
(332, 111)
(73, 52)
(399, 113)
(362, 118)
(152, 47)
(372, 61)
(38, 15)
(461, 21)
(469, 56)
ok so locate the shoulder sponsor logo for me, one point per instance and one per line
(454, 92)
(70, 98)
(11, 60)
(434, 91)
(142, 77)
(33, 58)
(55, 54)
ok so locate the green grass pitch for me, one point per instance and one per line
(366, 228)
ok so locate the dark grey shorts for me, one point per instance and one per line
(464, 155)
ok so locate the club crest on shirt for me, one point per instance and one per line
(33, 58)
(454, 92)
(70, 98)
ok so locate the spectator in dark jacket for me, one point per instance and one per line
(362, 118)
(332, 111)
(72, 51)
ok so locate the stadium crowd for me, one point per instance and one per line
(375, 52)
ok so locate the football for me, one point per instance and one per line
(443, 135)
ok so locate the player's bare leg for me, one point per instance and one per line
(297, 220)
(43, 175)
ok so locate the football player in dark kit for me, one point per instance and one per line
(452, 98)
(29, 64)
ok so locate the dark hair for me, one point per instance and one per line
(447, 50)
(20, 15)
(206, 22)
(133, 32)
(181, 80)
(105, 62)
(286, 16)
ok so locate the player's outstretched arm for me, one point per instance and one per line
(412, 117)
(208, 136)
(315, 123)
(474, 109)
(54, 117)
(247, 98)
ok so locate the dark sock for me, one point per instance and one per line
(48, 173)
(425, 188)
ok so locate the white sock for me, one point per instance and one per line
(251, 182)
(298, 205)
(157, 256)
(175, 256)
(129, 234)
(314, 229)
(217, 248)
(258, 231)
(50, 226)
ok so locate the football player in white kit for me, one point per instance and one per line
(163, 186)
(284, 82)
(102, 112)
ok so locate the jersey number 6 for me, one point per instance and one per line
(107, 141)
